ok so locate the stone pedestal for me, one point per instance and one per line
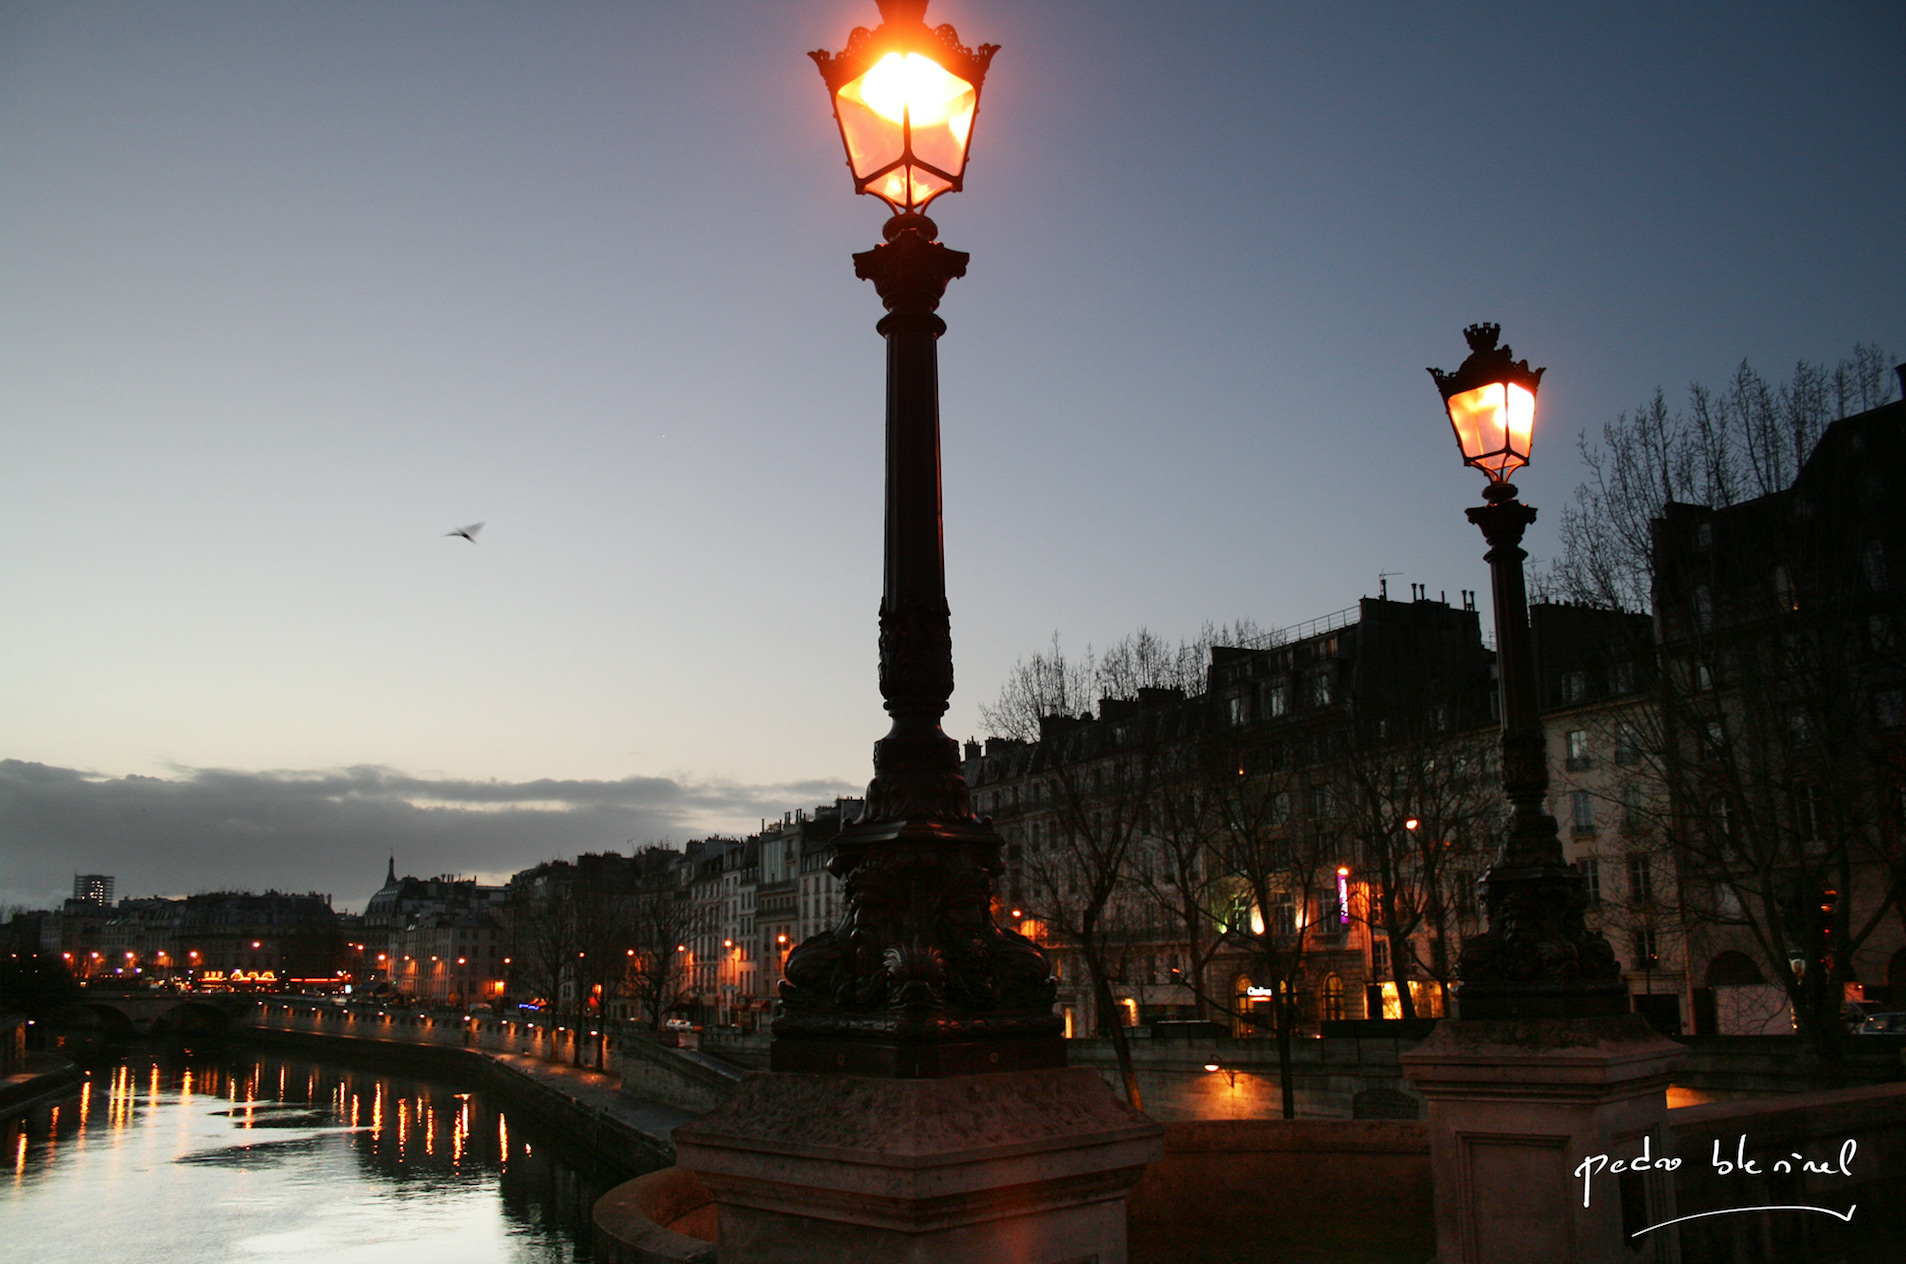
(1025, 1167)
(1516, 1107)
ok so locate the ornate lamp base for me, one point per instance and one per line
(917, 981)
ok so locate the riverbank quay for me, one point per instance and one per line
(41, 1077)
(586, 1106)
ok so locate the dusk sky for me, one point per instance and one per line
(289, 291)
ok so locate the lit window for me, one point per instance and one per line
(1320, 690)
(1284, 917)
(1647, 956)
(1332, 1010)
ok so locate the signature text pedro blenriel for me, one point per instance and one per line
(1737, 1164)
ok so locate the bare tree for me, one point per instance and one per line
(1092, 780)
(548, 938)
(1277, 849)
(656, 931)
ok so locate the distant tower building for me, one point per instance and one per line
(94, 888)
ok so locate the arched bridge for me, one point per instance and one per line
(167, 1013)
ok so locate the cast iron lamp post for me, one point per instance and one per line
(1538, 959)
(916, 980)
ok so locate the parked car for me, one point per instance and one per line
(1882, 1025)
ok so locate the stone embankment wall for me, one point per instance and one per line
(1335, 1077)
(446, 1029)
(587, 1108)
(39, 1076)
(1755, 1065)
(1358, 1077)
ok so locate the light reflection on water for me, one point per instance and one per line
(280, 1159)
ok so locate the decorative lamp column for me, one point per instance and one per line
(1537, 959)
(918, 1107)
(1542, 1067)
(916, 980)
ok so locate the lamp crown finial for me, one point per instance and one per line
(1482, 336)
(907, 11)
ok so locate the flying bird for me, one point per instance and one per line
(469, 533)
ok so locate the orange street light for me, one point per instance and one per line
(905, 98)
(1490, 400)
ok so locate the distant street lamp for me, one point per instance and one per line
(916, 980)
(1538, 959)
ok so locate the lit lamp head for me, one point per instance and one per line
(1491, 404)
(905, 97)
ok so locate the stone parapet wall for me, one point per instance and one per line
(1818, 1127)
(1298, 1189)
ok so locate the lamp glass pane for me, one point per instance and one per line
(894, 186)
(898, 92)
(1494, 424)
(873, 139)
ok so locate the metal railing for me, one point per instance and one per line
(1303, 631)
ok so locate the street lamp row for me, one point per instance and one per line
(917, 979)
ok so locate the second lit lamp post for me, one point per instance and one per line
(1538, 959)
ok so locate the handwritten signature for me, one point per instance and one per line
(1737, 1164)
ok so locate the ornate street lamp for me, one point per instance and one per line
(916, 980)
(905, 98)
(1538, 959)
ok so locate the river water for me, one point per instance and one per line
(209, 1160)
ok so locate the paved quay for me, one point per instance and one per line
(597, 1092)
